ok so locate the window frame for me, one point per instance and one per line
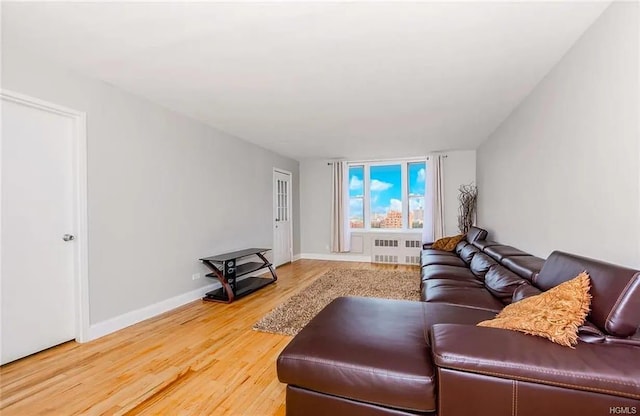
(363, 197)
(409, 197)
(404, 183)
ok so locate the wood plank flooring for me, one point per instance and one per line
(200, 359)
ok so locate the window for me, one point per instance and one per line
(387, 195)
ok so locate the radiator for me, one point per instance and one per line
(396, 250)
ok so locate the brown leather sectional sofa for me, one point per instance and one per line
(365, 356)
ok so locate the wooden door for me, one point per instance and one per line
(282, 247)
(38, 230)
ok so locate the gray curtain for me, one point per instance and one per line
(340, 231)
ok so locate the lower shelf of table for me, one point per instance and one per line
(243, 288)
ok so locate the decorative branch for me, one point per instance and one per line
(468, 198)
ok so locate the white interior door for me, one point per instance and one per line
(38, 209)
(282, 244)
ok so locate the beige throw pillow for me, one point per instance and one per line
(555, 314)
(447, 243)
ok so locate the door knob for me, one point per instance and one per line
(68, 237)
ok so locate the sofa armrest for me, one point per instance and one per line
(599, 368)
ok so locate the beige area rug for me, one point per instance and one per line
(291, 316)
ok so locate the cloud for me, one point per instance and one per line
(421, 175)
(379, 186)
(355, 183)
(395, 205)
(416, 203)
(356, 204)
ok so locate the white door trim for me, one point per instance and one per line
(81, 278)
(289, 208)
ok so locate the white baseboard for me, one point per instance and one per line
(336, 257)
(130, 318)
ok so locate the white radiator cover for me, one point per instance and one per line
(397, 249)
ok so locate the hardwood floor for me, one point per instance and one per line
(200, 359)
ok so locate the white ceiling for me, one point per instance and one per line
(316, 79)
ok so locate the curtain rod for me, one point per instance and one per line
(384, 160)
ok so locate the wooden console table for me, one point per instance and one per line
(226, 269)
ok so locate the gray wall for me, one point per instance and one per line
(315, 199)
(459, 169)
(163, 189)
(315, 206)
(562, 171)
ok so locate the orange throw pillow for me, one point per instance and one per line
(447, 243)
(453, 242)
(555, 314)
(440, 243)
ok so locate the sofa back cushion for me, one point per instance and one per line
(527, 267)
(476, 233)
(615, 307)
(499, 252)
(482, 244)
(462, 244)
(524, 291)
(480, 265)
(502, 282)
(468, 252)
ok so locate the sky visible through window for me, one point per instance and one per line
(416, 194)
(386, 189)
(386, 195)
(416, 178)
(356, 196)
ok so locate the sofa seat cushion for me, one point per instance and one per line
(439, 271)
(364, 349)
(596, 368)
(473, 297)
(429, 259)
(526, 267)
(444, 313)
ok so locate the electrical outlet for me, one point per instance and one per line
(195, 276)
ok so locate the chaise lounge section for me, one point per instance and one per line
(366, 356)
